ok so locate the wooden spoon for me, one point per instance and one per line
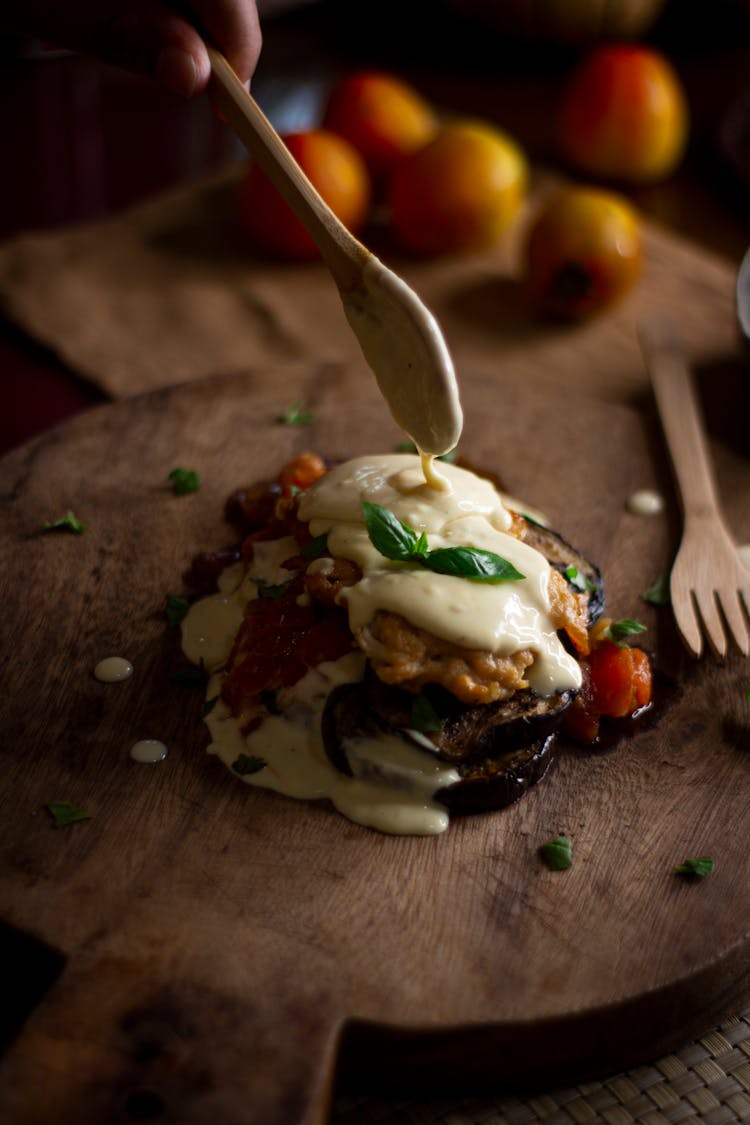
(399, 336)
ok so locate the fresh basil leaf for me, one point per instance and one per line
(618, 631)
(658, 594)
(247, 763)
(184, 481)
(557, 853)
(424, 717)
(472, 563)
(295, 416)
(63, 813)
(208, 706)
(696, 868)
(68, 522)
(394, 539)
(176, 608)
(316, 547)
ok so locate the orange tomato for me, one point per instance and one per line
(333, 167)
(582, 253)
(461, 191)
(382, 116)
(624, 115)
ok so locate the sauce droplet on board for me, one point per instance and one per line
(148, 750)
(113, 669)
(646, 502)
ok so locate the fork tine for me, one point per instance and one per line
(685, 616)
(732, 608)
(709, 611)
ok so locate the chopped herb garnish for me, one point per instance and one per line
(410, 447)
(68, 522)
(696, 868)
(578, 580)
(184, 481)
(208, 706)
(63, 813)
(618, 631)
(396, 540)
(316, 547)
(295, 416)
(557, 853)
(424, 717)
(270, 590)
(658, 594)
(176, 608)
(247, 763)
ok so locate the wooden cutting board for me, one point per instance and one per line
(219, 947)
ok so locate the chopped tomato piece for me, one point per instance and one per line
(616, 683)
(302, 471)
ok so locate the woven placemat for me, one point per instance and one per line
(707, 1081)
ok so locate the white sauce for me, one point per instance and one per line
(501, 618)
(394, 783)
(744, 553)
(148, 750)
(646, 502)
(404, 346)
(113, 669)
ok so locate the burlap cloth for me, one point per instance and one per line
(169, 292)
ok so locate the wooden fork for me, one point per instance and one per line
(709, 586)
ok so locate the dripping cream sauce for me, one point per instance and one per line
(394, 784)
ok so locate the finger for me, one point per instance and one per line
(232, 26)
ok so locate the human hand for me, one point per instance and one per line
(158, 39)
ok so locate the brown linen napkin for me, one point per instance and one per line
(169, 291)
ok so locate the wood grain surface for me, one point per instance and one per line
(223, 945)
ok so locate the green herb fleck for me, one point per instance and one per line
(247, 763)
(184, 481)
(619, 631)
(424, 717)
(396, 540)
(696, 868)
(295, 416)
(270, 590)
(316, 547)
(578, 580)
(63, 813)
(557, 853)
(208, 706)
(658, 594)
(176, 608)
(68, 522)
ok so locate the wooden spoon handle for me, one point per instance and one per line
(340, 250)
(679, 412)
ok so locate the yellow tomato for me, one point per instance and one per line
(461, 191)
(583, 252)
(624, 115)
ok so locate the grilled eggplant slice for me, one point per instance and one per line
(494, 783)
(562, 555)
(486, 783)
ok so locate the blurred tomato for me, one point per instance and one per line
(624, 115)
(459, 192)
(333, 167)
(382, 116)
(582, 253)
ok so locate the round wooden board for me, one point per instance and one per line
(223, 945)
